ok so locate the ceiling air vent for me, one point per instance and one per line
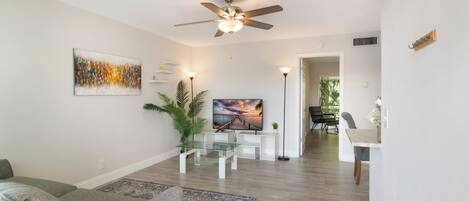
(365, 41)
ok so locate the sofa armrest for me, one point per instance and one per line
(5, 169)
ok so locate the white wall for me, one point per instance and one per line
(250, 70)
(318, 70)
(305, 75)
(46, 131)
(426, 143)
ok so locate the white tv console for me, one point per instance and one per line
(260, 146)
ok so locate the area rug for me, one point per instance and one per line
(147, 190)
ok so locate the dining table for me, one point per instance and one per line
(369, 138)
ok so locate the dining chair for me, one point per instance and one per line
(318, 117)
(361, 153)
(332, 122)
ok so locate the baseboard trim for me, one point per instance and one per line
(121, 172)
(347, 158)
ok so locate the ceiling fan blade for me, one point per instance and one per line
(219, 33)
(214, 8)
(257, 24)
(197, 22)
(263, 11)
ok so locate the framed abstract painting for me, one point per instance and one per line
(99, 74)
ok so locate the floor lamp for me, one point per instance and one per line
(191, 76)
(285, 71)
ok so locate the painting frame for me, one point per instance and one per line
(104, 74)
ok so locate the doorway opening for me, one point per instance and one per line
(321, 102)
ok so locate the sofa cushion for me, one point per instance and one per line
(91, 195)
(56, 189)
(5, 169)
(11, 191)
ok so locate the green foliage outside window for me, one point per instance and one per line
(329, 95)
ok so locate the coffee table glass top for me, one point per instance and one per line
(215, 146)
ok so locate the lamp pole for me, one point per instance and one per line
(192, 88)
(192, 99)
(191, 77)
(285, 71)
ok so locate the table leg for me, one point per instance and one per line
(182, 163)
(197, 157)
(234, 161)
(221, 167)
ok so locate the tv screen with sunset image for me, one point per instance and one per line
(237, 114)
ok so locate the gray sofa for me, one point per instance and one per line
(67, 192)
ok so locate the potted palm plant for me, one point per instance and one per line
(184, 112)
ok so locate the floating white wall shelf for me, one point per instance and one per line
(164, 72)
(157, 81)
(169, 64)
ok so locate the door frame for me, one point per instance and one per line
(300, 58)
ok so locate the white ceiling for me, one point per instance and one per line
(300, 18)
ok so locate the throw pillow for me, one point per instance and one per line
(10, 191)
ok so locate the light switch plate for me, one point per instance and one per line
(386, 118)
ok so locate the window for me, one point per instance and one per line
(329, 95)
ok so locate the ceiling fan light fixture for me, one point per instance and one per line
(230, 25)
(232, 18)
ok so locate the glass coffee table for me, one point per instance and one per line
(225, 151)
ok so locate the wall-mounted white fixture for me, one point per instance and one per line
(386, 118)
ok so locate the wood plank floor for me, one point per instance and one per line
(318, 175)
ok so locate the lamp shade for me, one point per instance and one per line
(191, 74)
(230, 25)
(285, 69)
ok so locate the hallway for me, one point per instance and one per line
(322, 146)
(322, 151)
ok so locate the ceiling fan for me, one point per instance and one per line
(232, 18)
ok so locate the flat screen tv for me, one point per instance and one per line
(238, 114)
